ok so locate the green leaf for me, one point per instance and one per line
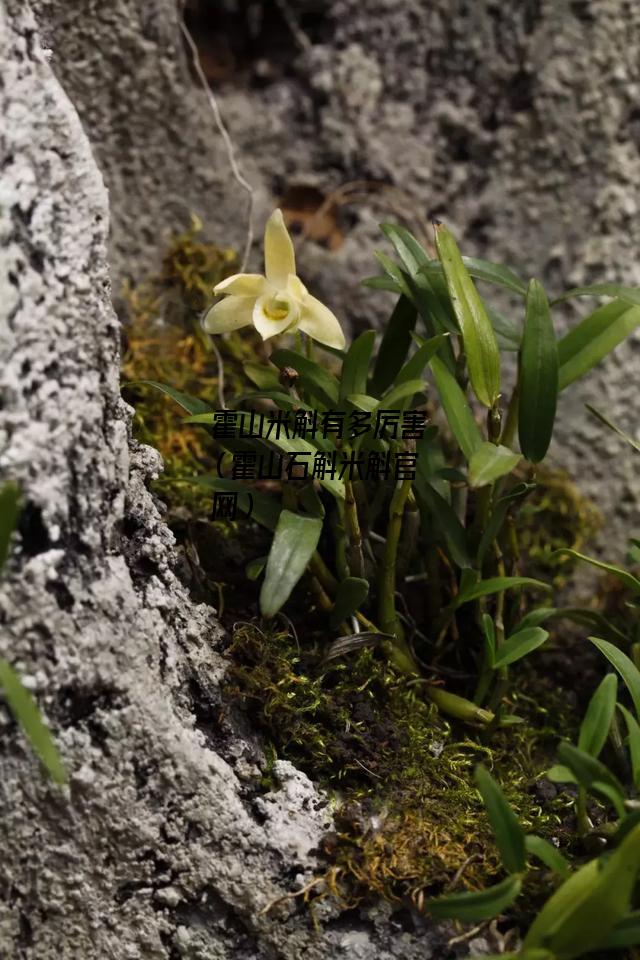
(352, 593)
(496, 585)
(457, 410)
(592, 339)
(255, 568)
(298, 445)
(547, 854)
(633, 729)
(489, 633)
(264, 509)
(508, 833)
(626, 933)
(395, 345)
(263, 376)
(480, 905)
(401, 391)
(589, 771)
(538, 376)
(561, 774)
(627, 578)
(362, 402)
(355, 368)
(628, 294)
(489, 462)
(498, 516)
(314, 378)
(294, 543)
(427, 349)
(25, 710)
(612, 426)
(495, 273)
(595, 726)
(9, 513)
(481, 348)
(586, 909)
(519, 645)
(381, 283)
(395, 273)
(412, 254)
(507, 333)
(625, 667)
(191, 404)
(444, 518)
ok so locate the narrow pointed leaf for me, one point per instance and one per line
(352, 593)
(625, 667)
(623, 575)
(427, 349)
(264, 377)
(444, 518)
(489, 462)
(355, 368)
(588, 770)
(626, 933)
(401, 391)
(592, 339)
(612, 426)
(538, 376)
(495, 273)
(481, 348)
(508, 336)
(633, 729)
(547, 854)
(191, 404)
(264, 509)
(457, 410)
(395, 345)
(519, 645)
(595, 726)
(25, 709)
(586, 909)
(628, 294)
(480, 905)
(507, 831)
(495, 585)
(294, 543)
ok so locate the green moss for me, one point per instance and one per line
(409, 819)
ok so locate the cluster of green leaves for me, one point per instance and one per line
(18, 698)
(592, 909)
(453, 528)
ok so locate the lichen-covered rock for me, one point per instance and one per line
(160, 846)
(517, 122)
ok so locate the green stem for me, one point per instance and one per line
(354, 550)
(389, 620)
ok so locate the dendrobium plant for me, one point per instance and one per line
(276, 303)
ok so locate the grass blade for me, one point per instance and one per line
(592, 339)
(594, 728)
(457, 410)
(625, 667)
(480, 905)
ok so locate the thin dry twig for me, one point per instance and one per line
(224, 133)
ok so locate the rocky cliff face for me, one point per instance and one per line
(516, 122)
(162, 846)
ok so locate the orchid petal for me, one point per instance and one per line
(241, 285)
(296, 289)
(229, 314)
(321, 324)
(279, 257)
(268, 326)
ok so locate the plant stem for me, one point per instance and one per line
(511, 421)
(387, 582)
(354, 550)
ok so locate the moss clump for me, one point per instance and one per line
(409, 819)
(556, 515)
(164, 342)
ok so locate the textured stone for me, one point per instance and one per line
(515, 121)
(160, 846)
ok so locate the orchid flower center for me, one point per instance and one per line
(276, 309)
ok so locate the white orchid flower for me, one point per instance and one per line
(276, 303)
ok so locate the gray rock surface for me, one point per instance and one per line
(517, 122)
(160, 846)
